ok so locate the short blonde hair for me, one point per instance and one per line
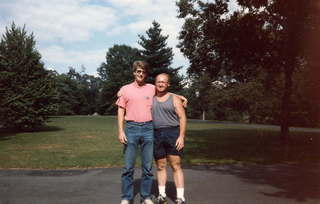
(140, 64)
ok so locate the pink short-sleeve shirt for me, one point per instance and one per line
(137, 100)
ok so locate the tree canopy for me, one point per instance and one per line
(28, 92)
(262, 36)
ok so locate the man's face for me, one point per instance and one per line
(162, 83)
(139, 75)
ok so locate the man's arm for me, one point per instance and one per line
(121, 135)
(183, 99)
(182, 121)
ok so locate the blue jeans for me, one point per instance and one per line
(138, 134)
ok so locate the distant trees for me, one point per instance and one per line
(28, 93)
(78, 93)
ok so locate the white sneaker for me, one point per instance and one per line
(147, 201)
(125, 202)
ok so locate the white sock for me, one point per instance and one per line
(162, 191)
(180, 193)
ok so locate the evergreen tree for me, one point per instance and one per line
(159, 56)
(27, 90)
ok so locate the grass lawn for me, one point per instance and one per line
(91, 141)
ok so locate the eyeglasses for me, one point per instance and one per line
(161, 82)
(140, 72)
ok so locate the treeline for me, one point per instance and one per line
(259, 64)
(30, 93)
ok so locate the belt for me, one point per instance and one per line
(138, 123)
(166, 128)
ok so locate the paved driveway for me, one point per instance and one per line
(227, 184)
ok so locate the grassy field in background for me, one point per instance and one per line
(91, 141)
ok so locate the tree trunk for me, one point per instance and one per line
(203, 115)
(285, 109)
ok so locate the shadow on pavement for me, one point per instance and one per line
(293, 181)
(295, 175)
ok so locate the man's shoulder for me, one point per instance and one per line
(150, 85)
(126, 86)
(176, 100)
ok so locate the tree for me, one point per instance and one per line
(159, 56)
(115, 72)
(28, 93)
(77, 92)
(263, 34)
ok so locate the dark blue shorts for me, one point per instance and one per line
(165, 142)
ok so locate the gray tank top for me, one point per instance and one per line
(164, 114)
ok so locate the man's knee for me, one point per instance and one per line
(176, 165)
(161, 165)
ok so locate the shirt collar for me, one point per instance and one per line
(135, 84)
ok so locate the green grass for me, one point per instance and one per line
(240, 143)
(91, 141)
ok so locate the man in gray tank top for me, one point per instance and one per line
(169, 121)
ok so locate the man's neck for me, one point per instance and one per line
(140, 83)
(161, 94)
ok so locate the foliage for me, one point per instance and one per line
(159, 56)
(115, 72)
(28, 93)
(262, 36)
(77, 93)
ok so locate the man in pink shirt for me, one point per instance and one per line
(134, 107)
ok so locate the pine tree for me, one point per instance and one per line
(159, 56)
(27, 89)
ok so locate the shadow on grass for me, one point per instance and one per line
(261, 146)
(6, 134)
(291, 181)
(293, 169)
(170, 189)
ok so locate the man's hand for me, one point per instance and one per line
(119, 93)
(183, 99)
(180, 143)
(122, 138)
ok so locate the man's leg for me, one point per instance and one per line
(129, 159)
(162, 176)
(146, 160)
(178, 177)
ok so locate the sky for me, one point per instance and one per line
(78, 33)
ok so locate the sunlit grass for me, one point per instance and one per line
(91, 141)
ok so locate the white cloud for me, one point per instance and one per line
(59, 25)
(57, 55)
(66, 21)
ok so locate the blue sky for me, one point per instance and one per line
(79, 32)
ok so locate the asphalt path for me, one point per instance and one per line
(218, 184)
